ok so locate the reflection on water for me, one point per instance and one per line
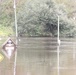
(38, 56)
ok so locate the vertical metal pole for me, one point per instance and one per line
(58, 29)
(16, 37)
(58, 49)
(16, 27)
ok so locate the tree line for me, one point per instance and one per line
(38, 18)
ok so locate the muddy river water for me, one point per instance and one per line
(38, 56)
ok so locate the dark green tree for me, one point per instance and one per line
(39, 18)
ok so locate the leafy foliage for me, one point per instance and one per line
(39, 18)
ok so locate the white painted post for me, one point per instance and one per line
(16, 27)
(58, 66)
(58, 29)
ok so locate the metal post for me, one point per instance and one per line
(16, 27)
(16, 37)
(58, 49)
(58, 29)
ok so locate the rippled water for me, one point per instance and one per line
(38, 56)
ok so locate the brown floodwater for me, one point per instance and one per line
(38, 56)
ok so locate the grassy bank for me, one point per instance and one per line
(5, 31)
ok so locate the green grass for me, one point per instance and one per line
(5, 31)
